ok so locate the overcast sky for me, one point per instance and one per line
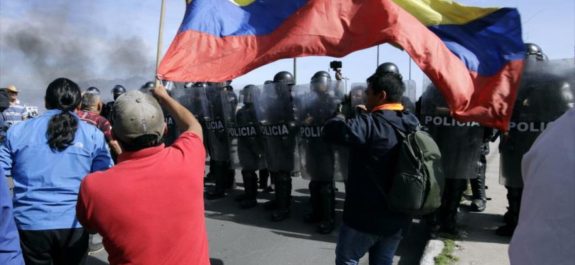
(117, 39)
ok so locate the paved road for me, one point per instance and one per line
(246, 237)
(482, 246)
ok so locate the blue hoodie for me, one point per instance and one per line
(10, 252)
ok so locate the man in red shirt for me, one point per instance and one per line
(149, 208)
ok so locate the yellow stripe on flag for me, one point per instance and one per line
(443, 12)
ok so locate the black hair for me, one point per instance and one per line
(140, 142)
(389, 82)
(65, 95)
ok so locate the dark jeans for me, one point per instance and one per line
(353, 244)
(57, 247)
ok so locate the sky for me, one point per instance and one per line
(106, 42)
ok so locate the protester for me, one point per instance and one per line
(10, 252)
(48, 157)
(93, 90)
(16, 112)
(546, 228)
(150, 208)
(89, 112)
(4, 104)
(368, 226)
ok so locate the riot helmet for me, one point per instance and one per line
(284, 77)
(389, 67)
(147, 86)
(248, 94)
(320, 82)
(534, 53)
(118, 90)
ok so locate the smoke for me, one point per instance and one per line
(68, 40)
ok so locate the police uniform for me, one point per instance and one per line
(460, 145)
(279, 131)
(543, 96)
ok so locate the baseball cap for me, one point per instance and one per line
(136, 114)
(12, 88)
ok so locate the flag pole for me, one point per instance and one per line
(160, 35)
(294, 70)
(377, 61)
(409, 67)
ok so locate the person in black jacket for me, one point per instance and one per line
(368, 225)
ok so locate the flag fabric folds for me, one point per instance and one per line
(473, 55)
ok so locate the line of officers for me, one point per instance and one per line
(273, 131)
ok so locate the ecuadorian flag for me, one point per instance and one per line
(473, 55)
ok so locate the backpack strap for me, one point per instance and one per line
(369, 164)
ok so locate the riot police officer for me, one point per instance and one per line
(218, 142)
(317, 156)
(278, 126)
(460, 145)
(478, 196)
(117, 91)
(250, 145)
(543, 96)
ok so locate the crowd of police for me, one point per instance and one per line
(273, 132)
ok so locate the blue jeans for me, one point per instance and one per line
(353, 244)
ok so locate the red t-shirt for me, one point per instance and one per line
(149, 208)
(97, 120)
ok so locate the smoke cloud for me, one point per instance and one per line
(69, 41)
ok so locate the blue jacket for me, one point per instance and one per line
(368, 134)
(10, 252)
(46, 183)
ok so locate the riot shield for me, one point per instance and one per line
(218, 143)
(244, 132)
(357, 94)
(194, 98)
(410, 89)
(319, 160)
(545, 93)
(277, 117)
(459, 142)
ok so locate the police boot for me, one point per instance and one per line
(272, 204)
(251, 189)
(263, 180)
(514, 199)
(479, 198)
(230, 175)
(326, 208)
(219, 174)
(283, 197)
(314, 196)
(454, 189)
(209, 178)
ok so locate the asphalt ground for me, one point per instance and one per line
(248, 237)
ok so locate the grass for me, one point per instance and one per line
(446, 257)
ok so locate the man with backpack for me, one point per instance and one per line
(373, 136)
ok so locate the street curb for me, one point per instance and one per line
(433, 248)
